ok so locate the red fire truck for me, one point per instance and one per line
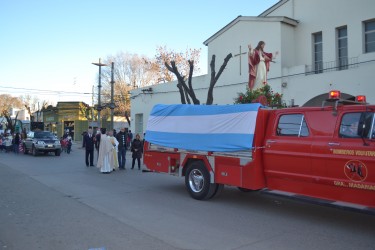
(325, 152)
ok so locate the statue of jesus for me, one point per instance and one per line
(259, 64)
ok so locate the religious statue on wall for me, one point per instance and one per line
(259, 64)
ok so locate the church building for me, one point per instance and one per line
(322, 46)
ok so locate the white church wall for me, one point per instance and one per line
(313, 18)
(284, 8)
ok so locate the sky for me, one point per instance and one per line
(47, 47)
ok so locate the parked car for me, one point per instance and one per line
(41, 141)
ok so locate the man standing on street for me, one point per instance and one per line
(89, 146)
(121, 138)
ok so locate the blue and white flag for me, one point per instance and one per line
(221, 128)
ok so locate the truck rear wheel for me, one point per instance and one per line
(197, 182)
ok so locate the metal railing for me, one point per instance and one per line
(340, 64)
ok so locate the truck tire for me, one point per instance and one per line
(57, 152)
(218, 190)
(34, 151)
(197, 182)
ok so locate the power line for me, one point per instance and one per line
(48, 91)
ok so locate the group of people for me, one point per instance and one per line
(111, 148)
(11, 143)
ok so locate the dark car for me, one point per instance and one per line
(41, 141)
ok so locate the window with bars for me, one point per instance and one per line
(318, 52)
(369, 28)
(342, 48)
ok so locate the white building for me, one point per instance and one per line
(21, 114)
(323, 45)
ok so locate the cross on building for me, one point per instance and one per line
(239, 54)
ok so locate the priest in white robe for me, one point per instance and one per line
(105, 152)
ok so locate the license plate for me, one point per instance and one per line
(50, 146)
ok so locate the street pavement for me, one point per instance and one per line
(49, 202)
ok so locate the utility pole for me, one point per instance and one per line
(99, 108)
(112, 104)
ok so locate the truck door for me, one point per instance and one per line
(287, 152)
(351, 163)
(353, 147)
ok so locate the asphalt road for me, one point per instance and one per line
(50, 202)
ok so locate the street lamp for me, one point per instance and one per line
(99, 108)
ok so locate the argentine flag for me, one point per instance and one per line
(221, 128)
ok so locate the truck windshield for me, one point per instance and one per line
(44, 135)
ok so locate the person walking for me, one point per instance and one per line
(121, 154)
(130, 138)
(136, 148)
(17, 141)
(88, 141)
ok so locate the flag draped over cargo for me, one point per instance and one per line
(221, 128)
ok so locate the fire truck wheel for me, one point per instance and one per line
(197, 181)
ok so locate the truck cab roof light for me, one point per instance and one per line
(360, 98)
(334, 95)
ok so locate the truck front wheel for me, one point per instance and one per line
(197, 181)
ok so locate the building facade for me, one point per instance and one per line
(70, 117)
(322, 45)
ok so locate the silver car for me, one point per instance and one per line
(41, 141)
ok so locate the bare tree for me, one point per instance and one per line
(33, 104)
(165, 55)
(7, 103)
(130, 71)
(133, 71)
(29, 103)
(215, 77)
(186, 90)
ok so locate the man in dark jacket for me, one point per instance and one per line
(89, 146)
(121, 155)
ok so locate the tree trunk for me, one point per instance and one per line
(182, 85)
(127, 117)
(214, 77)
